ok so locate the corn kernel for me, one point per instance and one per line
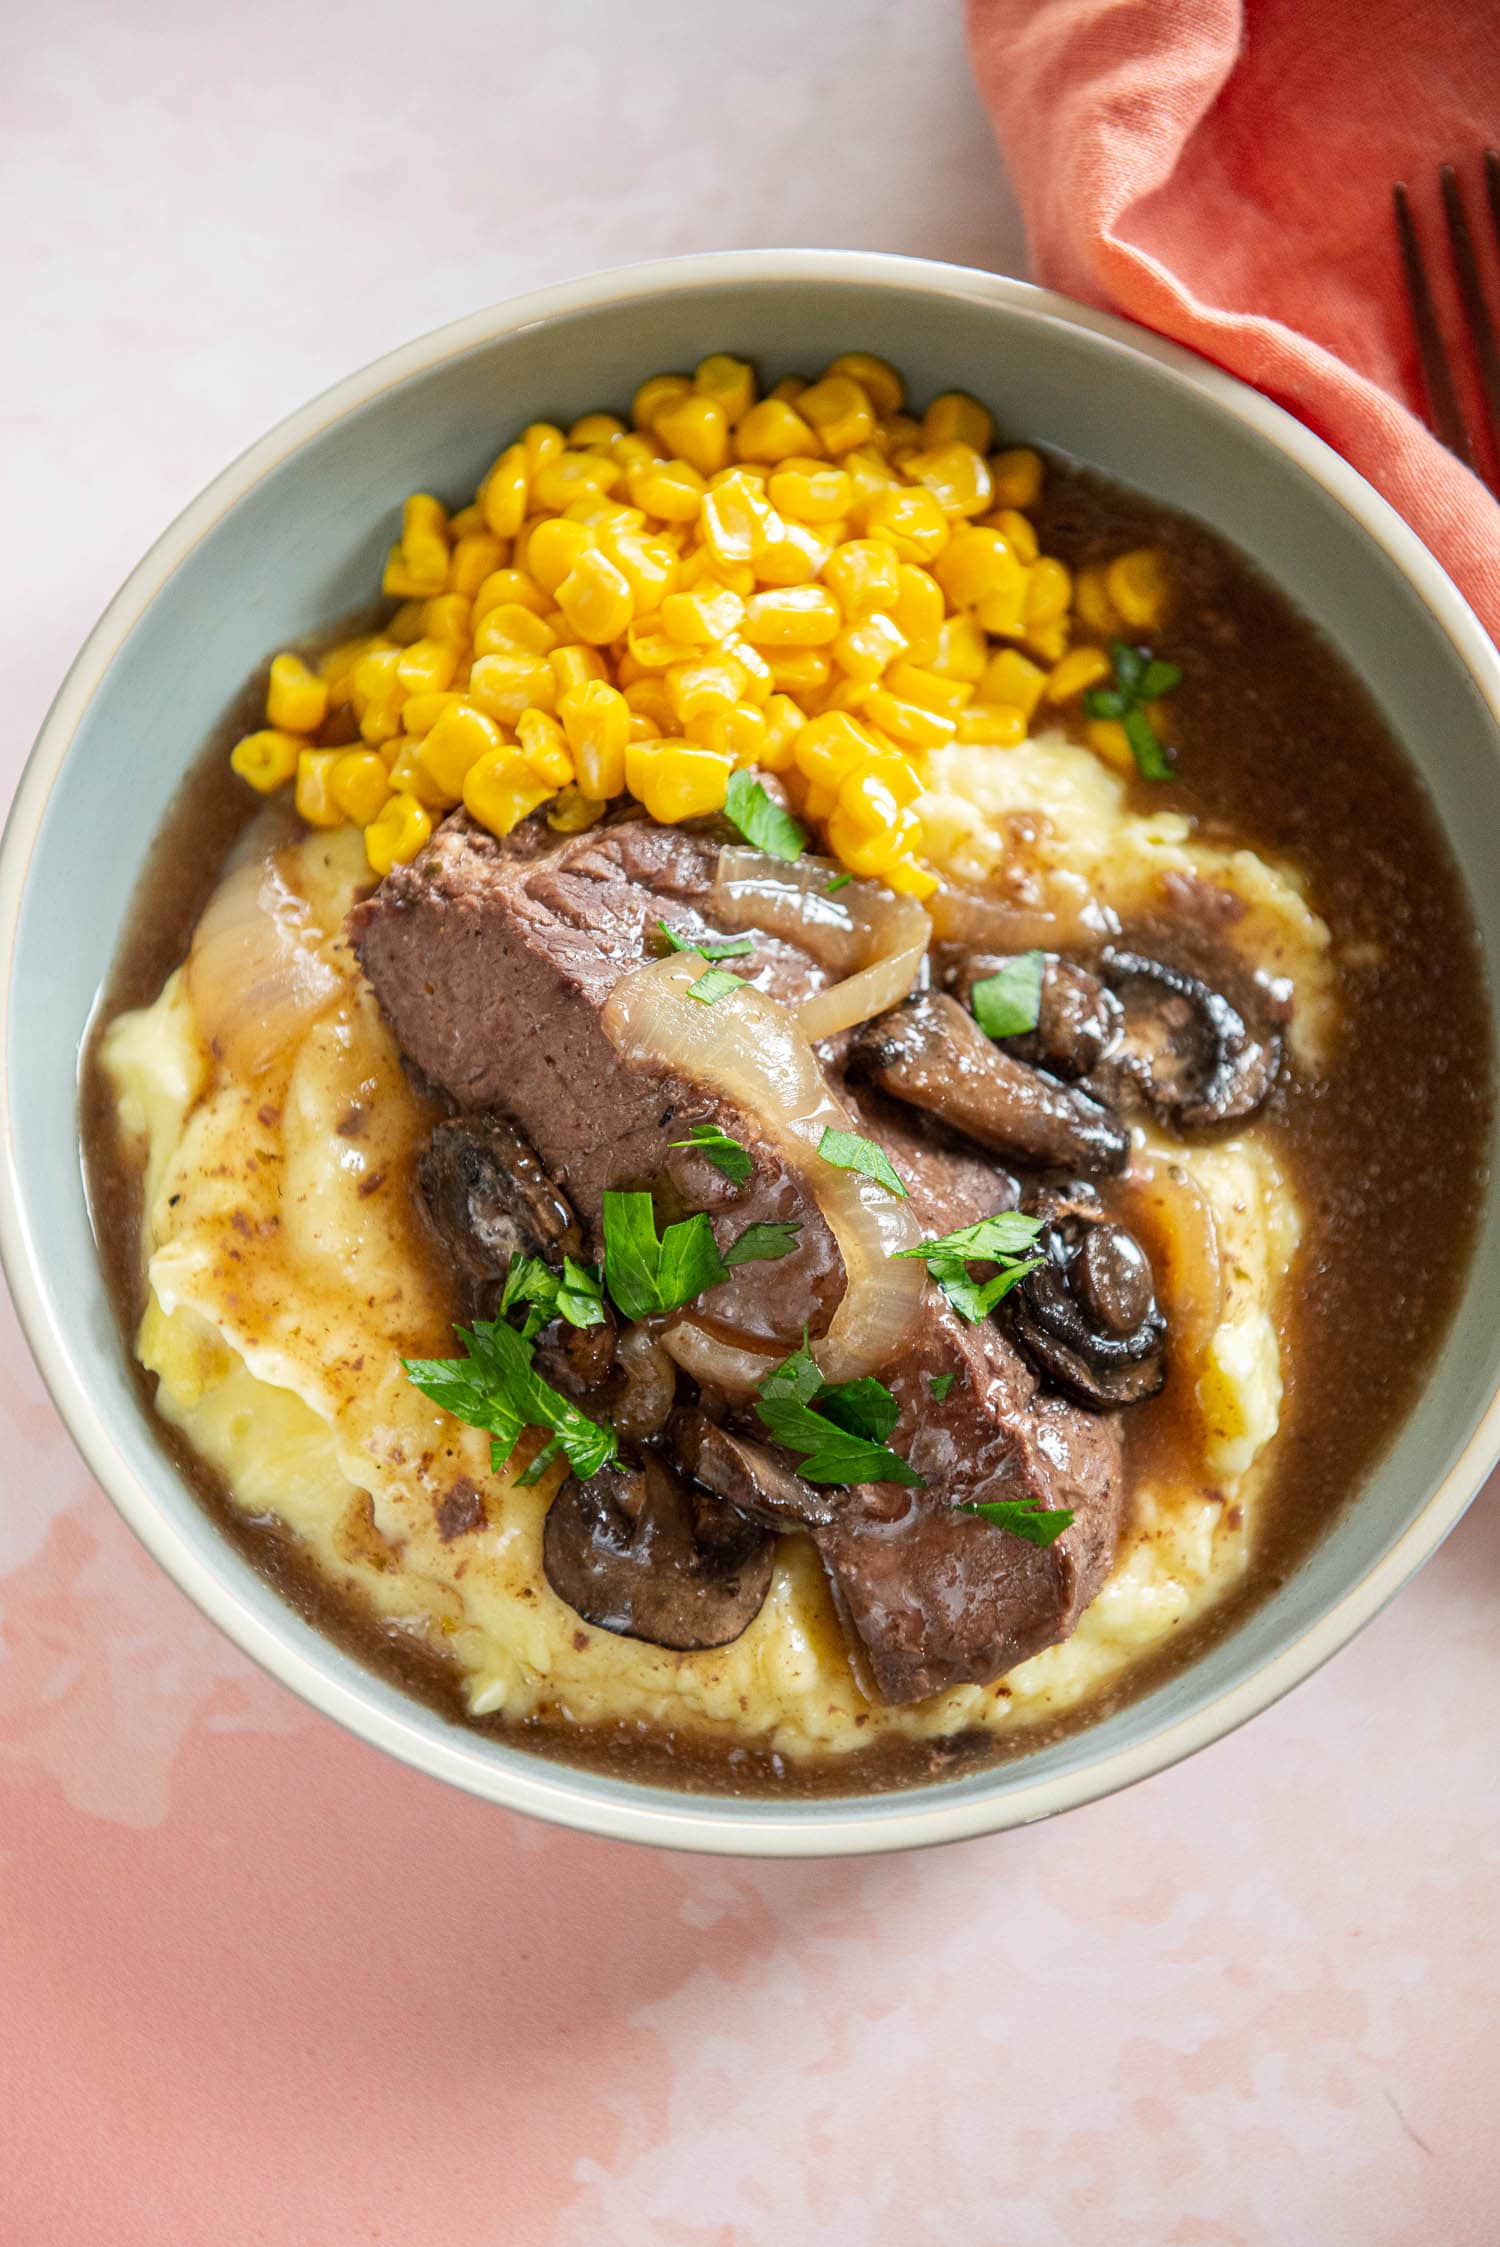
(686, 781)
(314, 795)
(707, 614)
(774, 431)
(868, 801)
(931, 690)
(865, 575)
(830, 747)
(1017, 476)
(640, 761)
(1003, 612)
(595, 598)
(421, 712)
(1011, 677)
(596, 720)
(266, 759)
(1138, 585)
(572, 812)
(596, 429)
(699, 566)
(918, 611)
(876, 377)
(672, 490)
(909, 722)
(977, 563)
(793, 616)
(697, 430)
(1079, 670)
(657, 391)
(1019, 529)
(505, 685)
(426, 667)
(810, 492)
(1092, 605)
(649, 648)
(840, 410)
(396, 835)
(1049, 642)
(504, 494)
(864, 649)
(962, 650)
(468, 520)
(409, 776)
(359, 786)
(698, 688)
(632, 452)
(816, 800)
(458, 740)
(993, 725)
(956, 418)
(647, 702)
(501, 790)
(1049, 589)
(510, 629)
(553, 549)
(473, 560)
(1109, 740)
(413, 576)
(575, 666)
(337, 665)
(729, 381)
(956, 475)
(793, 554)
(541, 441)
(738, 733)
(870, 855)
(296, 698)
(448, 617)
(784, 721)
(759, 684)
(790, 388)
(569, 476)
(544, 746)
(910, 877)
(735, 520)
(798, 671)
(649, 565)
(377, 695)
(911, 520)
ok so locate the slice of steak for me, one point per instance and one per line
(493, 962)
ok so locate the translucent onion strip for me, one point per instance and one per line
(1165, 1206)
(1070, 916)
(716, 1362)
(876, 940)
(258, 972)
(750, 1049)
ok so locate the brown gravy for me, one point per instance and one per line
(1281, 749)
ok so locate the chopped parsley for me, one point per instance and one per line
(573, 1294)
(712, 948)
(1140, 678)
(847, 1151)
(763, 1243)
(724, 1153)
(838, 882)
(1001, 1240)
(648, 1275)
(496, 1387)
(940, 1384)
(838, 1428)
(1008, 1003)
(1023, 1517)
(714, 984)
(761, 820)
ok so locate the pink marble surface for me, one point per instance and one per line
(258, 1985)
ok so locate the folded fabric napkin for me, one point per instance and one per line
(1220, 170)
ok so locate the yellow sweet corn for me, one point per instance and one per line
(994, 725)
(426, 667)
(671, 490)
(829, 748)
(865, 575)
(1013, 678)
(730, 382)
(810, 491)
(909, 722)
(840, 410)
(1017, 477)
(314, 795)
(544, 745)
(473, 560)
(421, 712)
(377, 695)
(1079, 670)
(1019, 529)
(571, 811)
(509, 588)
(773, 431)
(1138, 586)
(595, 598)
(575, 665)
(596, 721)
(962, 650)
(505, 685)
(296, 698)
(1049, 590)
(793, 616)
(706, 614)
(794, 553)
(798, 671)
(501, 790)
(396, 835)
(1109, 740)
(449, 617)
(655, 393)
(918, 611)
(864, 649)
(267, 759)
(511, 629)
(553, 549)
(698, 688)
(686, 781)
(876, 377)
(406, 623)
(697, 430)
(359, 785)
(911, 520)
(931, 690)
(784, 721)
(957, 476)
(978, 563)
(458, 740)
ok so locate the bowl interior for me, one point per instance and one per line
(300, 548)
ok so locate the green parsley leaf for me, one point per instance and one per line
(719, 948)
(975, 1299)
(724, 1153)
(1039, 1525)
(1160, 678)
(1130, 666)
(1140, 677)
(539, 1465)
(1008, 1003)
(847, 1151)
(762, 1244)
(760, 819)
(716, 983)
(573, 1294)
(646, 1275)
(495, 1387)
(837, 883)
(1002, 1240)
(941, 1383)
(1151, 758)
(831, 1451)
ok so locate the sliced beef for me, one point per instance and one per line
(493, 962)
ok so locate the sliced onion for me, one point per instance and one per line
(1174, 1217)
(258, 972)
(1071, 916)
(715, 1362)
(755, 1052)
(876, 939)
(650, 1385)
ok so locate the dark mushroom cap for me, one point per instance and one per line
(1078, 1017)
(639, 1551)
(1184, 1049)
(1087, 1316)
(489, 1199)
(931, 1052)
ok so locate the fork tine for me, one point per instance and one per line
(1471, 295)
(1437, 375)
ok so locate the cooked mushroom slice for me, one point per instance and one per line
(1184, 1049)
(1087, 1317)
(748, 1475)
(1078, 1018)
(932, 1053)
(490, 1199)
(638, 1551)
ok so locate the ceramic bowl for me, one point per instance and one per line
(292, 536)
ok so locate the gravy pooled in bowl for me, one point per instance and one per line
(772, 1155)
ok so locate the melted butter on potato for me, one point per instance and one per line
(287, 1280)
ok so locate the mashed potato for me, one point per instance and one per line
(286, 1284)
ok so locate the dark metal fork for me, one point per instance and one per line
(1445, 415)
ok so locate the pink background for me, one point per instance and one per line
(259, 1985)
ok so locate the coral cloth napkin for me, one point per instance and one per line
(1220, 170)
